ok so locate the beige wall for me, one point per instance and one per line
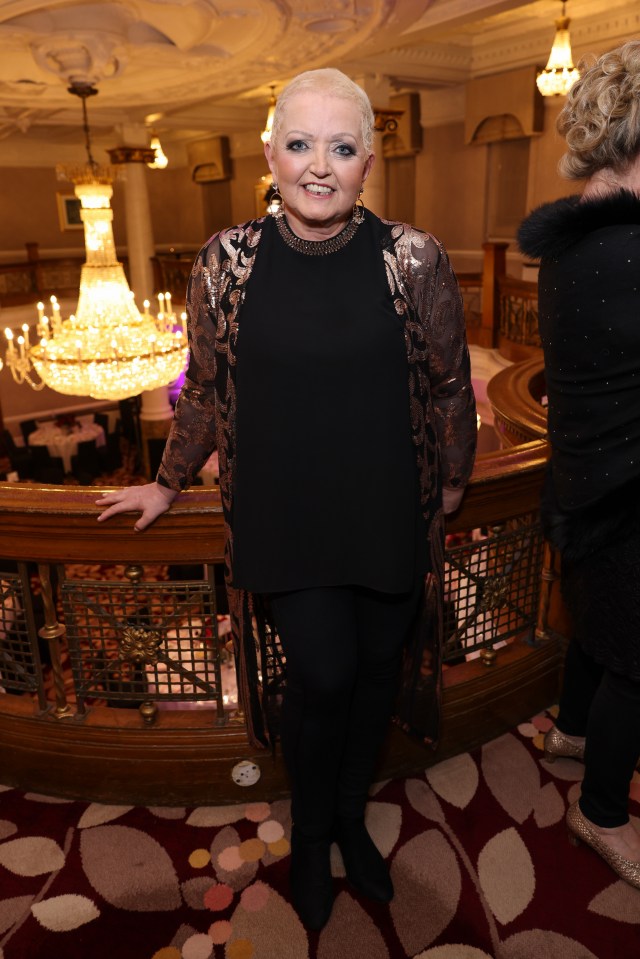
(176, 208)
(29, 211)
(450, 187)
(545, 183)
(247, 171)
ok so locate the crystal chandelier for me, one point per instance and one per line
(108, 349)
(559, 75)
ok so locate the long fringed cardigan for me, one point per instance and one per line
(441, 410)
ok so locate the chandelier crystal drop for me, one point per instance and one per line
(559, 75)
(108, 349)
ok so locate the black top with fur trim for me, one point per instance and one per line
(554, 227)
(589, 318)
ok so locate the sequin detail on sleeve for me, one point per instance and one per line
(443, 424)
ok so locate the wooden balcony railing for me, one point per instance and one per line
(114, 686)
(516, 396)
(501, 311)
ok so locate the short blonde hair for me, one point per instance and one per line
(601, 118)
(335, 83)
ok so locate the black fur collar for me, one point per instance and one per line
(553, 227)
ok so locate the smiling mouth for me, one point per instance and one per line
(317, 190)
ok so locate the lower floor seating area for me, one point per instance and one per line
(73, 448)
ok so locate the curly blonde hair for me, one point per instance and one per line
(601, 118)
(335, 83)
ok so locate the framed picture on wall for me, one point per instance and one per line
(69, 207)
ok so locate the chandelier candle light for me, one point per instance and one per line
(265, 136)
(108, 349)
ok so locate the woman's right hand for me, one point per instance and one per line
(150, 500)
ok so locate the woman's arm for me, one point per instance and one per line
(150, 500)
(451, 388)
(192, 436)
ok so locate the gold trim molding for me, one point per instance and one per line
(125, 154)
(386, 121)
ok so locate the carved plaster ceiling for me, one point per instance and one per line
(206, 65)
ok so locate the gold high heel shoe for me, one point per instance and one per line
(557, 743)
(580, 830)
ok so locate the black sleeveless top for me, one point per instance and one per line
(322, 390)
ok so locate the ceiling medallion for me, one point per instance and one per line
(334, 25)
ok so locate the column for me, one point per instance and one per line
(140, 242)
(155, 412)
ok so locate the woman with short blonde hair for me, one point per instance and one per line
(328, 363)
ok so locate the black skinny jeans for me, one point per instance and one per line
(604, 707)
(343, 647)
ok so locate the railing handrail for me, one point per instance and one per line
(517, 413)
(512, 284)
(59, 524)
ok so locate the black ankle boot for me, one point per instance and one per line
(311, 883)
(365, 867)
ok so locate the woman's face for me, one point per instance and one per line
(319, 163)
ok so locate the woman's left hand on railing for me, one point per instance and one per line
(151, 500)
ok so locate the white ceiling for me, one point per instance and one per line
(205, 66)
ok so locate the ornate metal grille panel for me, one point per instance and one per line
(133, 642)
(64, 275)
(20, 668)
(17, 281)
(492, 588)
(519, 318)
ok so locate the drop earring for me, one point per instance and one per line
(276, 203)
(358, 209)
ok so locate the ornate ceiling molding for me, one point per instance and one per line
(206, 65)
(172, 51)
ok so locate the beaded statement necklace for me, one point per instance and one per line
(317, 247)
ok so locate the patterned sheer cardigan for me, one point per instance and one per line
(443, 424)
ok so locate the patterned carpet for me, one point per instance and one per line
(478, 851)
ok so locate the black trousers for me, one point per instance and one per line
(343, 647)
(605, 707)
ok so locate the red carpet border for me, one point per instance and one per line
(477, 847)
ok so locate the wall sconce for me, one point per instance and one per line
(266, 133)
(160, 161)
